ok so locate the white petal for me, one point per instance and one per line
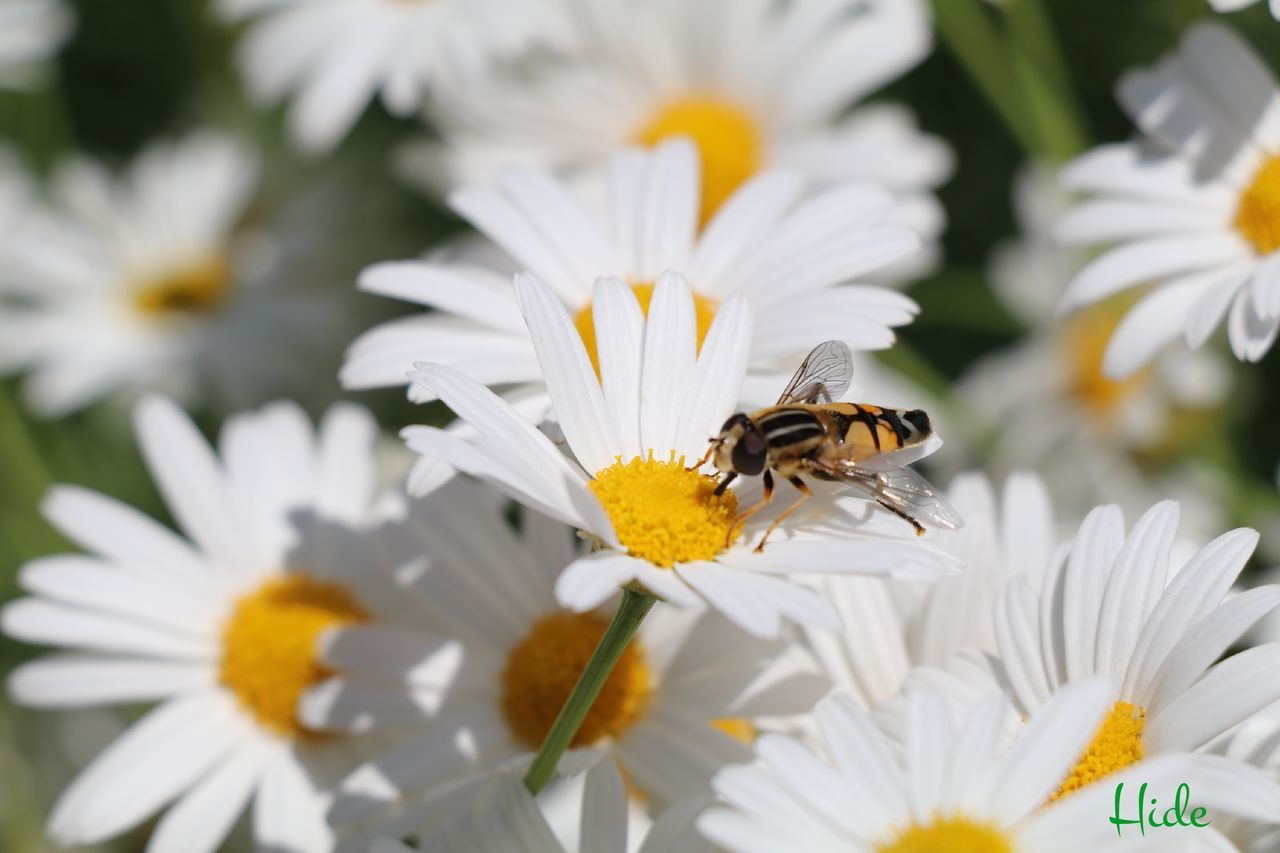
(115, 530)
(588, 582)
(619, 326)
(160, 756)
(1228, 693)
(288, 811)
(604, 810)
(200, 821)
(1054, 739)
(1157, 319)
(69, 681)
(670, 341)
(1143, 260)
(192, 483)
(717, 378)
(37, 621)
(571, 381)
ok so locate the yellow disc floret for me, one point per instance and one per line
(196, 288)
(585, 322)
(268, 645)
(665, 513)
(738, 728)
(542, 669)
(727, 137)
(1086, 335)
(1117, 744)
(1258, 212)
(949, 835)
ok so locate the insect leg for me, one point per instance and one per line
(805, 494)
(724, 484)
(898, 512)
(711, 448)
(751, 510)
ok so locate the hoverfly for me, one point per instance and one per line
(806, 433)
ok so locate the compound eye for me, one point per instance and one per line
(750, 453)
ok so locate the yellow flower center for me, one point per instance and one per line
(704, 309)
(728, 140)
(542, 669)
(268, 646)
(949, 835)
(1117, 744)
(198, 288)
(1258, 213)
(1086, 335)
(738, 728)
(665, 513)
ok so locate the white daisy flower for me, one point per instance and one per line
(335, 56)
(1048, 403)
(1194, 207)
(31, 31)
(627, 486)
(152, 281)
(792, 259)
(495, 812)
(892, 627)
(218, 627)
(1125, 609)
(1236, 5)
(754, 83)
(672, 711)
(952, 787)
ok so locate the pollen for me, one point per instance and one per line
(665, 513)
(949, 835)
(1086, 335)
(196, 288)
(727, 137)
(704, 310)
(1258, 213)
(738, 728)
(268, 646)
(1116, 745)
(543, 668)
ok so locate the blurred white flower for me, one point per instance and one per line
(1236, 5)
(754, 83)
(335, 56)
(1129, 609)
(632, 433)
(1194, 206)
(950, 785)
(891, 627)
(219, 627)
(495, 812)
(794, 259)
(31, 31)
(156, 281)
(1047, 402)
(485, 605)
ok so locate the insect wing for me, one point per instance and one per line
(905, 490)
(823, 376)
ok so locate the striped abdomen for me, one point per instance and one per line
(868, 430)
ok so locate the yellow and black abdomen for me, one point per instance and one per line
(865, 431)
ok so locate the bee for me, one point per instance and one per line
(807, 434)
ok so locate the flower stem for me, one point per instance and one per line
(970, 31)
(635, 606)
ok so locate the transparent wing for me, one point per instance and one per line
(823, 375)
(902, 490)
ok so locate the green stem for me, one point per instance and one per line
(1046, 84)
(971, 34)
(635, 606)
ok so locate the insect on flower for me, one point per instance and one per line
(806, 433)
